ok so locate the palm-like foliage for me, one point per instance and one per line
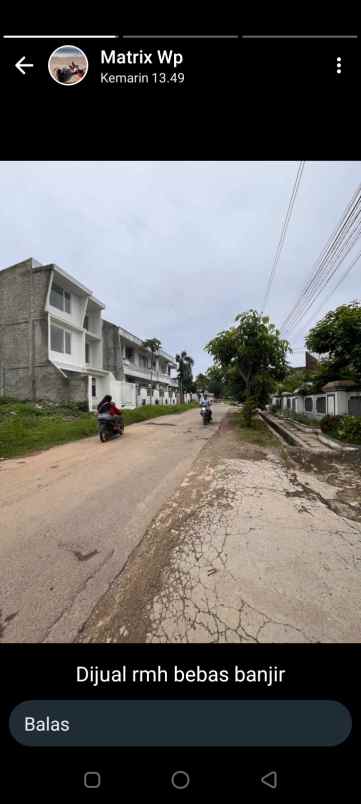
(153, 344)
(185, 375)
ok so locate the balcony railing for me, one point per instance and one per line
(148, 374)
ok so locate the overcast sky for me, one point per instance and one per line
(176, 249)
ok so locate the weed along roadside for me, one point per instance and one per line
(256, 433)
(27, 427)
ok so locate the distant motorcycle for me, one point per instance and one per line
(206, 414)
(109, 426)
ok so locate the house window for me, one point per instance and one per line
(129, 354)
(56, 339)
(321, 404)
(94, 386)
(288, 403)
(60, 298)
(87, 352)
(308, 403)
(86, 322)
(354, 406)
(60, 340)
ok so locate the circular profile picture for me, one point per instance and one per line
(68, 65)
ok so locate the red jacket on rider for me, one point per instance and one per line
(113, 410)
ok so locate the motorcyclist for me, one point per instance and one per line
(205, 403)
(108, 407)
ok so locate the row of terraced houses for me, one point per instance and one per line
(55, 344)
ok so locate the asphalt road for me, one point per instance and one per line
(71, 516)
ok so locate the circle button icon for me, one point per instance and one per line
(180, 780)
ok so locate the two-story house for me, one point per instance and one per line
(152, 376)
(55, 345)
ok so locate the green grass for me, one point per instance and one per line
(26, 428)
(257, 434)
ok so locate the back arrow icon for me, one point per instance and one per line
(270, 780)
(20, 64)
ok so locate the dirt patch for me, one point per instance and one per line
(345, 502)
(124, 610)
(227, 442)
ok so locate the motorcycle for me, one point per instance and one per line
(109, 426)
(206, 414)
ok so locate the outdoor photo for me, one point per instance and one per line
(180, 400)
(68, 65)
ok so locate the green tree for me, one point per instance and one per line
(249, 410)
(153, 344)
(201, 383)
(252, 353)
(338, 335)
(215, 377)
(185, 374)
(294, 378)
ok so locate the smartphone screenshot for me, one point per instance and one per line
(180, 408)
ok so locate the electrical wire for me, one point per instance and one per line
(343, 277)
(330, 252)
(283, 233)
(334, 252)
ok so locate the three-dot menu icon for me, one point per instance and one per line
(339, 65)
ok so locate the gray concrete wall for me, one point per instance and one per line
(23, 328)
(25, 371)
(112, 359)
(52, 386)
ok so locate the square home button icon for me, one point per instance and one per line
(92, 779)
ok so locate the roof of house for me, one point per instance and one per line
(339, 385)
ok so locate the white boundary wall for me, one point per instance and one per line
(334, 403)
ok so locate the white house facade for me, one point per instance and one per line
(154, 377)
(55, 344)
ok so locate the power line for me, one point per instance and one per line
(332, 268)
(334, 252)
(283, 232)
(343, 277)
(322, 261)
(343, 242)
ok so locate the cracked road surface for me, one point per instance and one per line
(257, 545)
(71, 516)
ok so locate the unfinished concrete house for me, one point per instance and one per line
(54, 344)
